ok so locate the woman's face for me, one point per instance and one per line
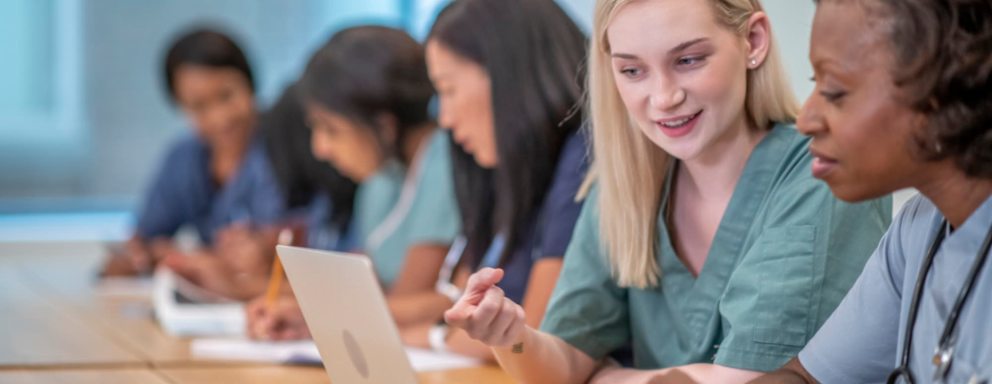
(466, 106)
(218, 102)
(685, 85)
(351, 148)
(862, 135)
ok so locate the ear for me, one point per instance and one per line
(390, 128)
(758, 39)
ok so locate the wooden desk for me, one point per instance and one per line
(56, 328)
(82, 376)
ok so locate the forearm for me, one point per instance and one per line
(543, 358)
(693, 373)
(792, 373)
(416, 335)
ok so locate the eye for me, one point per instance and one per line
(689, 61)
(631, 72)
(833, 96)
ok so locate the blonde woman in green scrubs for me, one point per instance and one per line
(705, 250)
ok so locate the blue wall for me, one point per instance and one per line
(94, 70)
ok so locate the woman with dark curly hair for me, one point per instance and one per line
(904, 99)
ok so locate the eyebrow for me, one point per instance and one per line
(678, 48)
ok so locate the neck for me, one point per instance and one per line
(714, 173)
(955, 194)
(414, 140)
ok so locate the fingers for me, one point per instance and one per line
(481, 281)
(495, 321)
(478, 284)
(282, 320)
(480, 321)
(260, 322)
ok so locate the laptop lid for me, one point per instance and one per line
(346, 311)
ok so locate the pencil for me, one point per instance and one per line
(275, 279)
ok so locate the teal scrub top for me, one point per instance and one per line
(375, 198)
(424, 209)
(785, 253)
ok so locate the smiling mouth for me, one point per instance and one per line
(680, 122)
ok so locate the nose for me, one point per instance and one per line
(320, 146)
(810, 121)
(666, 95)
(444, 118)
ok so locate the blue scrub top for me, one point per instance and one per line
(553, 225)
(183, 192)
(862, 340)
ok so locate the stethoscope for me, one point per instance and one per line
(945, 347)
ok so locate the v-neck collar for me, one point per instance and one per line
(697, 296)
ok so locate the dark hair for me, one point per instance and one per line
(208, 48)
(944, 53)
(364, 71)
(283, 128)
(533, 53)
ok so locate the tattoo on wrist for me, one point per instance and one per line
(518, 348)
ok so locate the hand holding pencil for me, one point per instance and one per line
(276, 316)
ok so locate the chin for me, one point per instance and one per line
(485, 161)
(855, 192)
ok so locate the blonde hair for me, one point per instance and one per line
(631, 170)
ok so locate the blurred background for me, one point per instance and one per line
(84, 116)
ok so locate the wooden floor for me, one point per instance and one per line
(57, 326)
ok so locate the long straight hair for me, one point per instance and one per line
(630, 169)
(532, 52)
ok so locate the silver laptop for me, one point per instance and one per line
(346, 312)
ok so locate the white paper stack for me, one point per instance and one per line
(183, 309)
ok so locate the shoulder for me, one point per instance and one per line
(794, 160)
(436, 157)
(186, 146)
(912, 228)
(185, 156)
(572, 166)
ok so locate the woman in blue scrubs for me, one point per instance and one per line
(903, 99)
(508, 79)
(219, 174)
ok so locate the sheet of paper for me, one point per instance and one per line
(298, 352)
(305, 352)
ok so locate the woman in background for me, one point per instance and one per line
(219, 174)
(367, 93)
(508, 75)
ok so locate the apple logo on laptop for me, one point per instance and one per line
(355, 354)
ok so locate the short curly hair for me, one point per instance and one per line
(943, 51)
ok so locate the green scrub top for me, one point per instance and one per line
(785, 253)
(425, 211)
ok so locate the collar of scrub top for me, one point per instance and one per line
(444, 284)
(944, 354)
(491, 259)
